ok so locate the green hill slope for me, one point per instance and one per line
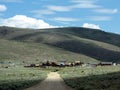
(87, 45)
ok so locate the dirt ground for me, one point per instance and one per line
(52, 82)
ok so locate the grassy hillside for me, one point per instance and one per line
(20, 52)
(87, 45)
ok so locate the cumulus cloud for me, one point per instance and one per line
(3, 8)
(23, 21)
(93, 26)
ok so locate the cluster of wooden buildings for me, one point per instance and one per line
(56, 64)
(70, 64)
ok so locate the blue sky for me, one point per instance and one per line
(100, 14)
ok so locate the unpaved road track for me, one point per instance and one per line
(52, 82)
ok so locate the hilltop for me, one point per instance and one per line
(56, 44)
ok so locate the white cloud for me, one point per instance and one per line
(106, 11)
(71, 7)
(92, 4)
(88, 4)
(93, 26)
(85, 5)
(59, 8)
(23, 21)
(83, 1)
(100, 18)
(43, 12)
(3, 8)
(66, 19)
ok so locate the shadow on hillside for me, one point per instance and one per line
(39, 36)
(88, 33)
(27, 36)
(110, 81)
(88, 49)
(75, 46)
(93, 34)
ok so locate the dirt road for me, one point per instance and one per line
(52, 82)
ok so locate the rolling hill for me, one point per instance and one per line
(56, 44)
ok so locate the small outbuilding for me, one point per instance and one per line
(105, 63)
(62, 63)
